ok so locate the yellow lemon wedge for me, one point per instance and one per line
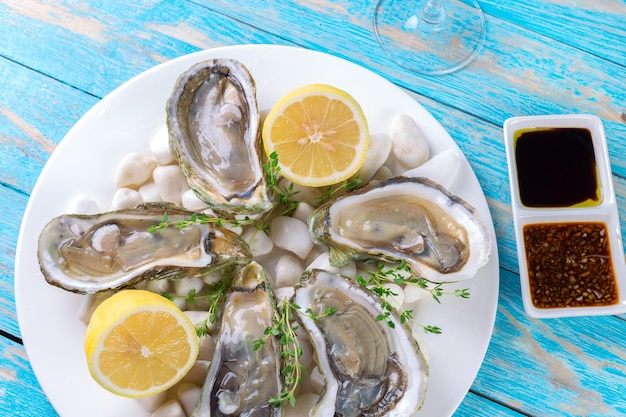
(139, 343)
(319, 134)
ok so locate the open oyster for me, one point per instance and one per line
(91, 253)
(438, 234)
(242, 380)
(370, 369)
(213, 124)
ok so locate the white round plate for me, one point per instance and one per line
(125, 121)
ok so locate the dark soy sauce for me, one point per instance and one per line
(556, 167)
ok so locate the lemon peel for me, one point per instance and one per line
(139, 343)
(319, 133)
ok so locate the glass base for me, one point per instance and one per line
(428, 43)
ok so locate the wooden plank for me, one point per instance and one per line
(578, 81)
(576, 23)
(475, 405)
(114, 40)
(35, 113)
(13, 206)
(569, 80)
(170, 30)
(557, 367)
(17, 378)
(36, 110)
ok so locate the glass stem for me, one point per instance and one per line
(433, 12)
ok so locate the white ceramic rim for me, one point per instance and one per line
(125, 120)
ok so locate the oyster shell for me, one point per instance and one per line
(213, 125)
(439, 235)
(91, 253)
(370, 369)
(242, 380)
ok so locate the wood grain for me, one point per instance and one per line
(20, 394)
(9, 229)
(595, 27)
(35, 113)
(114, 40)
(568, 79)
(58, 58)
(568, 367)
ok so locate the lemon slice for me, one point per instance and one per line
(319, 134)
(139, 343)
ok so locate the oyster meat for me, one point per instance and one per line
(369, 368)
(213, 125)
(242, 380)
(91, 253)
(438, 234)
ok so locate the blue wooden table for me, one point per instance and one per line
(58, 58)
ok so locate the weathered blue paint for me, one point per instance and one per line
(58, 58)
(21, 394)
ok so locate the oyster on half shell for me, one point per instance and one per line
(370, 369)
(91, 253)
(213, 124)
(241, 379)
(438, 234)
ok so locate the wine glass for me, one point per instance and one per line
(430, 37)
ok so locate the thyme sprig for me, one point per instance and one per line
(284, 330)
(213, 296)
(200, 218)
(290, 352)
(346, 186)
(402, 275)
(285, 195)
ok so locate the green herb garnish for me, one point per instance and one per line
(290, 351)
(402, 275)
(199, 218)
(213, 295)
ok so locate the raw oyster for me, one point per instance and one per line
(439, 235)
(242, 380)
(213, 125)
(91, 253)
(370, 369)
